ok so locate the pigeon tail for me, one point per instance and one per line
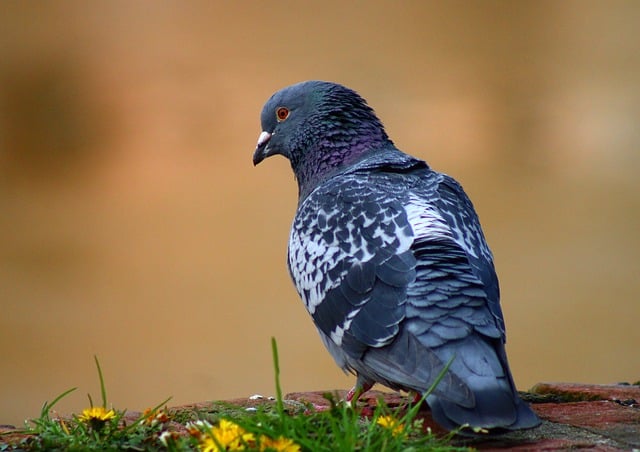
(496, 410)
(497, 406)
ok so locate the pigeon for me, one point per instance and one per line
(390, 261)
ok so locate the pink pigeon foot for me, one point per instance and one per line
(354, 393)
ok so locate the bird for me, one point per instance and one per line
(391, 262)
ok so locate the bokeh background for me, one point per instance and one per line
(134, 227)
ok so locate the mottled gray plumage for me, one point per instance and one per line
(390, 260)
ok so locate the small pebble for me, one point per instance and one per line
(251, 409)
(256, 397)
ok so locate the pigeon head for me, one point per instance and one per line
(321, 127)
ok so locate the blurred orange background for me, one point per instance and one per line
(135, 228)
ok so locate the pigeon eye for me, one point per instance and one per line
(282, 113)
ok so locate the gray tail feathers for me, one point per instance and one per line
(495, 410)
(496, 406)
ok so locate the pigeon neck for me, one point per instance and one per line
(317, 165)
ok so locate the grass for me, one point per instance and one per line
(270, 427)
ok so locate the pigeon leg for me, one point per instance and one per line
(362, 386)
(418, 398)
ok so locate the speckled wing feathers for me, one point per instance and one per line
(348, 255)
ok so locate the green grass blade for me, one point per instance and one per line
(49, 406)
(276, 370)
(103, 389)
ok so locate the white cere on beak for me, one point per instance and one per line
(263, 138)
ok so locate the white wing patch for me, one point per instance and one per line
(425, 220)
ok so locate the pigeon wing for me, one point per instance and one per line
(350, 259)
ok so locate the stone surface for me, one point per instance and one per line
(575, 392)
(586, 417)
(611, 411)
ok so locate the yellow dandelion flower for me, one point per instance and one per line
(391, 423)
(96, 413)
(226, 436)
(209, 445)
(280, 444)
(96, 416)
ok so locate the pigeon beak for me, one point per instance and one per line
(262, 148)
